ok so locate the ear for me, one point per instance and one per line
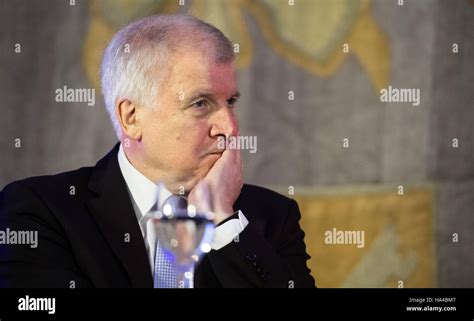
(127, 115)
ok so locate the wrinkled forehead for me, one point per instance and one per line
(190, 70)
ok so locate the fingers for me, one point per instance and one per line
(233, 158)
(239, 161)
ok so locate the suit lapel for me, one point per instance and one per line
(114, 214)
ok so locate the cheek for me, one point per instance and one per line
(194, 136)
(184, 139)
(191, 144)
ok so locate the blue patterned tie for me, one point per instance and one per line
(165, 273)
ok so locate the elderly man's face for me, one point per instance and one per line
(195, 107)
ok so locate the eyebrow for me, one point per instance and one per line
(207, 94)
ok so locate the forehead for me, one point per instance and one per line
(192, 70)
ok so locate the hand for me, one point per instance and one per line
(220, 188)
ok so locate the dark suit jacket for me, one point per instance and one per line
(88, 236)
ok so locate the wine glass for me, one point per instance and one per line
(185, 234)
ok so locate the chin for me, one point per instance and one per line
(205, 167)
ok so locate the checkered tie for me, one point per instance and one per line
(165, 273)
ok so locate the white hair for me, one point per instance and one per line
(136, 58)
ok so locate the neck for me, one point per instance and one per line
(136, 157)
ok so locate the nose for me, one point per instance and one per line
(224, 123)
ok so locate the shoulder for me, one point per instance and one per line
(253, 193)
(262, 204)
(46, 186)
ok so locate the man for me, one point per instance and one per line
(170, 88)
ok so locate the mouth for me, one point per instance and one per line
(212, 151)
(219, 152)
(215, 151)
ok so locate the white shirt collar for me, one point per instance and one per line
(143, 191)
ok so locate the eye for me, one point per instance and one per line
(199, 108)
(231, 102)
(201, 103)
